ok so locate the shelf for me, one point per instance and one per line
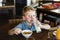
(11, 6)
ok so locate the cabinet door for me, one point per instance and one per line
(19, 7)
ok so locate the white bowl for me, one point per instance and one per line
(26, 33)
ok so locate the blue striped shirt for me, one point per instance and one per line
(25, 26)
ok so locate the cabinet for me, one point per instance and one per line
(19, 7)
(7, 11)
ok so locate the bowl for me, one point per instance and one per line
(26, 33)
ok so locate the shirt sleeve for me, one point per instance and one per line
(18, 26)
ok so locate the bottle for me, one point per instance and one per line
(37, 27)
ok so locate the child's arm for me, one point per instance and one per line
(43, 26)
(14, 31)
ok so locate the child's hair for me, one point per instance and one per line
(27, 8)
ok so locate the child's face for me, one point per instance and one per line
(30, 15)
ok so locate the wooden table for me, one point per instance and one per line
(6, 27)
(48, 12)
(36, 36)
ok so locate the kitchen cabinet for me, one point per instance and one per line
(7, 11)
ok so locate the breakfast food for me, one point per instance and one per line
(26, 32)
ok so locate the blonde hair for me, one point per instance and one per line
(27, 8)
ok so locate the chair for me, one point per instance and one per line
(53, 19)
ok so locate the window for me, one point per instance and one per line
(1, 2)
(56, 0)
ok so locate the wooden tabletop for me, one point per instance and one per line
(6, 27)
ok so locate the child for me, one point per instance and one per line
(29, 16)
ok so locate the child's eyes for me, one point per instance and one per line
(34, 15)
(29, 15)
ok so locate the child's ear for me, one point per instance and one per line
(23, 17)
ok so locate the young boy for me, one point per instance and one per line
(29, 16)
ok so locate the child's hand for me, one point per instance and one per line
(37, 26)
(15, 31)
(11, 32)
(38, 23)
(46, 26)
